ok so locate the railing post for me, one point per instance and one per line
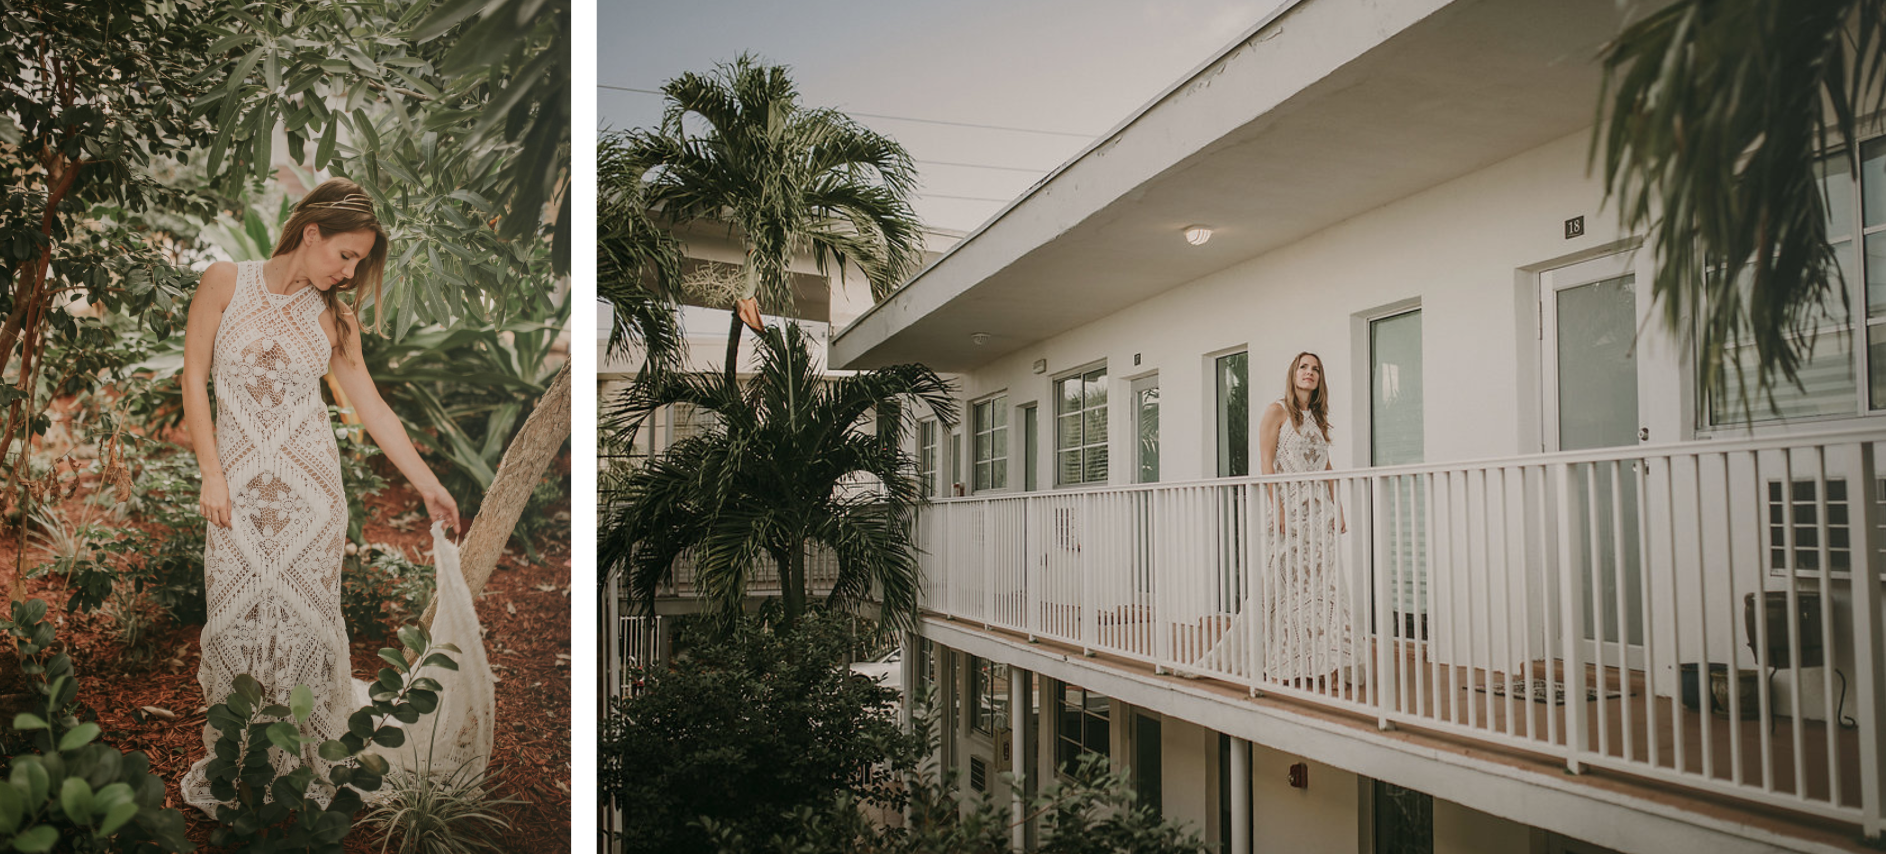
(1033, 555)
(1162, 627)
(1089, 616)
(1570, 628)
(988, 562)
(1869, 644)
(1384, 609)
(1362, 546)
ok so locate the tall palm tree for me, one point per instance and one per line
(736, 147)
(787, 466)
(1711, 127)
(638, 267)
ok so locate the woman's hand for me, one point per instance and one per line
(215, 501)
(441, 508)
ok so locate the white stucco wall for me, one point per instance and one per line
(1184, 768)
(1320, 817)
(1466, 249)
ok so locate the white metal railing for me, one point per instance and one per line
(821, 572)
(1658, 589)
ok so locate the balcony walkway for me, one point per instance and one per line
(1311, 704)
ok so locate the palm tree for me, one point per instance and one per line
(1712, 127)
(638, 267)
(735, 147)
(786, 467)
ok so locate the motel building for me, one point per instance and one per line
(1580, 607)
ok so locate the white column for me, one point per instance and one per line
(1019, 745)
(1240, 796)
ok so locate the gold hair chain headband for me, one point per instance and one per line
(352, 202)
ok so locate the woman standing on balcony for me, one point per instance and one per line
(1306, 612)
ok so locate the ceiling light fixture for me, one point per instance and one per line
(1197, 234)
(979, 338)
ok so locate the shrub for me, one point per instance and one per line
(71, 792)
(744, 732)
(383, 591)
(308, 809)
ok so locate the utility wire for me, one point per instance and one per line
(900, 118)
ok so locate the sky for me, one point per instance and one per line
(1053, 74)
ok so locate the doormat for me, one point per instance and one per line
(1542, 691)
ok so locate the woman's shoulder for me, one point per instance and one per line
(219, 279)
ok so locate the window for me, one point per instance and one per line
(1395, 438)
(689, 421)
(1404, 820)
(1147, 782)
(1146, 429)
(1031, 428)
(1800, 511)
(988, 689)
(990, 423)
(1234, 414)
(1828, 376)
(926, 458)
(1084, 722)
(1080, 434)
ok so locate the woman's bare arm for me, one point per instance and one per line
(199, 347)
(1267, 433)
(384, 426)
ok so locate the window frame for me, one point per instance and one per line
(996, 407)
(1095, 372)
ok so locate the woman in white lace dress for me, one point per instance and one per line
(266, 332)
(1305, 598)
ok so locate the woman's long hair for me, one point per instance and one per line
(1319, 399)
(339, 206)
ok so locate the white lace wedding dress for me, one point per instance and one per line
(273, 577)
(1305, 606)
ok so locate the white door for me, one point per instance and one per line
(1589, 317)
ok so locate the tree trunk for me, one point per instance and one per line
(733, 346)
(524, 462)
(792, 582)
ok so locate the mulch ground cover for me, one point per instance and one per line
(525, 611)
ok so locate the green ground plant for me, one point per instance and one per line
(444, 812)
(311, 809)
(383, 590)
(70, 792)
(745, 731)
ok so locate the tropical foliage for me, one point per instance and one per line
(791, 461)
(747, 730)
(69, 791)
(789, 180)
(458, 125)
(1714, 117)
(1091, 811)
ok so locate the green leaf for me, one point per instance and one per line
(12, 806)
(284, 735)
(115, 818)
(333, 751)
(324, 151)
(78, 737)
(39, 839)
(393, 657)
(27, 721)
(373, 762)
(75, 797)
(443, 17)
(301, 702)
(414, 638)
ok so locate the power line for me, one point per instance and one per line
(960, 198)
(985, 166)
(900, 118)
